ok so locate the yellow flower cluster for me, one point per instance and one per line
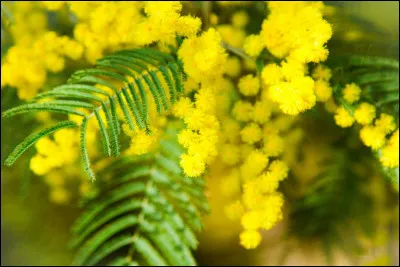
(201, 135)
(38, 50)
(52, 154)
(249, 147)
(203, 57)
(63, 150)
(29, 22)
(296, 30)
(105, 26)
(259, 206)
(234, 34)
(364, 114)
(374, 131)
(203, 60)
(141, 142)
(251, 140)
(294, 92)
(56, 160)
(297, 33)
(374, 136)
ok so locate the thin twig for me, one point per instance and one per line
(239, 52)
(206, 14)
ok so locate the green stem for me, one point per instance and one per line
(206, 9)
(237, 51)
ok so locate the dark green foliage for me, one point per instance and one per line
(80, 96)
(146, 214)
(334, 206)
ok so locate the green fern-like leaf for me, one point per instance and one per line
(81, 93)
(33, 138)
(146, 214)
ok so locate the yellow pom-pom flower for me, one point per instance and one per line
(203, 56)
(273, 210)
(59, 195)
(230, 154)
(188, 26)
(233, 67)
(351, 92)
(230, 184)
(240, 19)
(193, 165)
(255, 163)
(250, 239)
(214, 19)
(251, 220)
(343, 118)
(253, 45)
(323, 91)
(271, 74)
(231, 35)
(251, 133)
(322, 72)
(142, 143)
(182, 107)
(292, 69)
(273, 145)
(372, 137)
(385, 123)
(249, 85)
(242, 110)
(279, 169)
(365, 113)
(295, 96)
(268, 183)
(261, 112)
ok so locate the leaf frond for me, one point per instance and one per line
(82, 92)
(145, 214)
